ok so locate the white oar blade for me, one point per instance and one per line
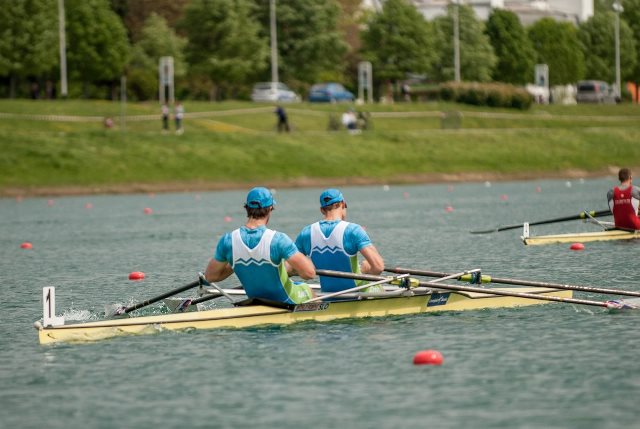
(114, 310)
(623, 305)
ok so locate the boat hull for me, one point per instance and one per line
(243, 317)
(580, 237)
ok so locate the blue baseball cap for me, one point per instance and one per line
(330, 196)
(259, 198)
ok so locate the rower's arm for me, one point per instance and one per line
(217, 271)
(302, 265)
(373, 263)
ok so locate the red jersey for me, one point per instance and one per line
(624, 211)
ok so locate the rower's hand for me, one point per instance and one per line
(365, 267)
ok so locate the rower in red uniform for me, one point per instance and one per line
(624, 201)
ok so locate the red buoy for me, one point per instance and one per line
(538, 189)
(136, 275)
(147, 210)
(405, 195)
(577, 246)
(448, 209)
(26, 245)
(88, 206)
(228, 218)
(50, 203)
(428, 357)
(504, 197)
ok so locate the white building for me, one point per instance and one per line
(529, 11)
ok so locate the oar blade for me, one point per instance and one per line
(618, 305)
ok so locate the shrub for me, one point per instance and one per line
(486, 94)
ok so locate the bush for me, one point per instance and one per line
(486, 94)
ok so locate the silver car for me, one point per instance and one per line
(595, 91)
(273, 92)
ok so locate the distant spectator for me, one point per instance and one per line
(179, 115)
(350, 121)
(283, 121)
(165, 118)
(406, 92)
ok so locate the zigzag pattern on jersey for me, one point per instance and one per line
(252, 261)
(327, 249)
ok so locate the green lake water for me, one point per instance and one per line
(548, 366)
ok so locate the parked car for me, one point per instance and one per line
(274, 92)
(329, 92)
(595, 91)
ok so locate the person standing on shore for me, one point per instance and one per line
(261, 257)
(165, 118)
(283, 120)
(624, 201)
(333, 244)
(179, 116)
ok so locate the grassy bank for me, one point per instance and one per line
(236, 143)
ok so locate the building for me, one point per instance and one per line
(529, 11)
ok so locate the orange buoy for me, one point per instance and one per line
(577, 246)
(448, 209)
(428, 357)
(26, 245)
(147, 210)
(136, 275)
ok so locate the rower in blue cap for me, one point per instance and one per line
(257, 255)
(333, 244)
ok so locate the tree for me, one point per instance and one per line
(398, 41)
(28, 39)
(557, 45)
(97, 48)
(631, 15)
(598, 38)
(310, 46)
(515, 55)
(157, 40)
(224, 42)
(135, 14)
(477, 58)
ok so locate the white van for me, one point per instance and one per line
(595, 91)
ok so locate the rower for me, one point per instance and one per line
(624, 201)
(257, 255)
(333, 244)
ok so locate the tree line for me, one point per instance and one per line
(221, 47)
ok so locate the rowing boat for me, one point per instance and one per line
(405, 302)
(606, 235)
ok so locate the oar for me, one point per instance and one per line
(120, 310)
(353, 289)
(614, 305)
(490, 279)
(582, 215)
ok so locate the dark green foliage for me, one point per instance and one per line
(97, 42)
(557, 45)
(477, 58)
(310, 46)
(486, 94)
(398, 41)
(512, 47)
(598, 38)
(224, 44)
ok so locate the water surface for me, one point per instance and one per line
(551, 366)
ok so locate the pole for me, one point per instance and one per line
(456, 41)
(274, 43)
(63, 49)
(123, 103)
(617, 7)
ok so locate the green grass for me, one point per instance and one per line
(243, 147)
